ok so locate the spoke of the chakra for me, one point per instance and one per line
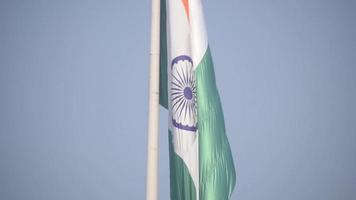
(177, 79)
(188, 107)
(190, 113)
(176, 93)
(190, 79)
(192, 82)
(180, 76)
(176, 110)
(179, 86)
(177, 89)
(182, 72)
(178, 98)
(189, 76)
(182, 107)
(191, 110)
(185, 114)
(177, 104)
(186, 73)
(195, 113)
(180, 104)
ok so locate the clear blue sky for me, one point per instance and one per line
(73, 98)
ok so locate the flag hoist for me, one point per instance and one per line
(201, 164)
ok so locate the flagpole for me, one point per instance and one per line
(153, 109)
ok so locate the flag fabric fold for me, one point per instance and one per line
(201, 163)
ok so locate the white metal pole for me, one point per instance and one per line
(153, 110)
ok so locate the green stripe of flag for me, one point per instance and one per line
(216, 166)
(182, 186)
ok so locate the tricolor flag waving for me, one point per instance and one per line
(201, 164)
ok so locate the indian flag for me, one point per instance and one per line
(201, 164)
